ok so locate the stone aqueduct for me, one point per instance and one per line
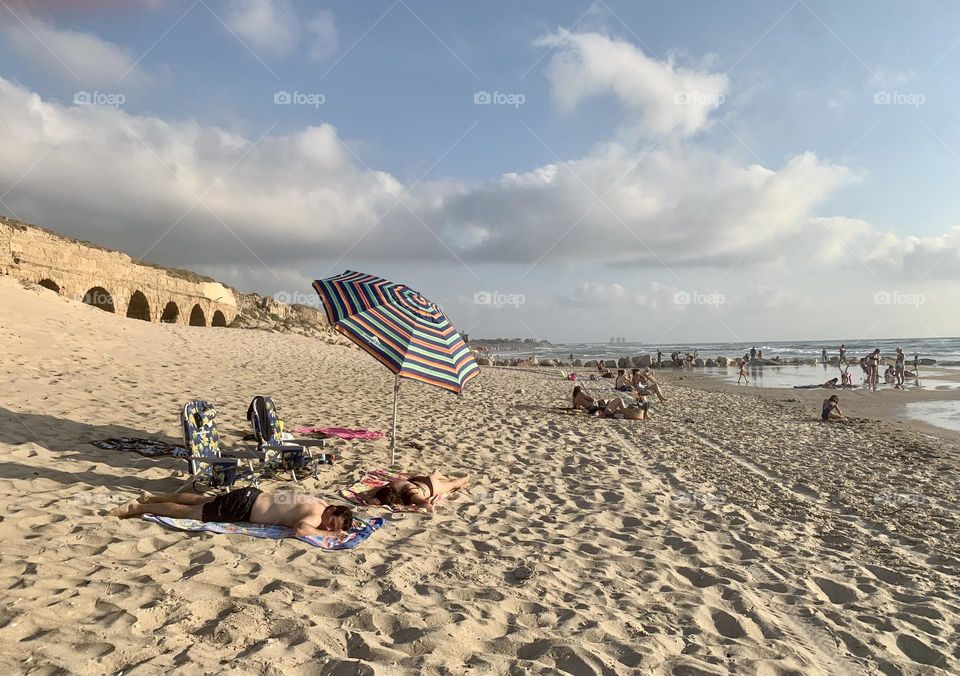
(112, 280)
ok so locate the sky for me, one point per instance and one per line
(569, 171)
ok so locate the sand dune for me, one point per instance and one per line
(728, 533)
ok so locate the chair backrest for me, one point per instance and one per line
(200, 434)
(267, 426)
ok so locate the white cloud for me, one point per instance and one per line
(270, 26)
(323, 29)
(122, 180)
(83, 59)
(663, 96)
(919, 257)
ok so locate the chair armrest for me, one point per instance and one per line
(310, 442)
(203, 458)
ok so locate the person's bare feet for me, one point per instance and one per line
(127, 511)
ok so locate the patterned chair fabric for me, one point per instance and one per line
(202, 440)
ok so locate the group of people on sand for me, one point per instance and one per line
(640, 385)
(305, 514)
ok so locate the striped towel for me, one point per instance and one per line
(359, 531)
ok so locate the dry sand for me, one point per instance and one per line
(731, 532)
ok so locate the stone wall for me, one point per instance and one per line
(112, 280)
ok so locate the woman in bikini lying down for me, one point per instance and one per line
(416, 490)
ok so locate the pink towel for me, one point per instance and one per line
(341, 432)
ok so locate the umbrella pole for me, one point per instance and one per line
(393, 437)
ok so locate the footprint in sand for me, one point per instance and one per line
(919, 652)
(836, 592)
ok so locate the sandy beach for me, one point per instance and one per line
(730, 533)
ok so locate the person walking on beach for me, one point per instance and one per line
(305, 514)
(900, 367)
(743, 371)
(659, 358)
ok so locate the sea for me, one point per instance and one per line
(945, 350)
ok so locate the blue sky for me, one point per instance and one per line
(764, 156)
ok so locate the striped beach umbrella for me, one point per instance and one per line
(401, 329)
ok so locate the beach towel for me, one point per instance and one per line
(340, 432)
(150, 448)
(360, 531)
(374, 479)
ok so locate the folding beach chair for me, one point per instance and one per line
(279, 450)
(202, 441)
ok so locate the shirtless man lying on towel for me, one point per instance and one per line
(305, 514)
(414, 490)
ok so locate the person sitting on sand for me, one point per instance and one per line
(621, 382)
(583, 400)
(889, 376)
(645, 384)
(416, 490)
(831, 409)
(305, 514)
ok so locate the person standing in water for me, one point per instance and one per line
(900, 367)
(823, 356)
(743, 372)
(843, 354)
(873, 362)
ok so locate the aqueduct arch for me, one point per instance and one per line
(99, 298)
(197, 317)
(170, 313)
(218, 319)
(50, 284)
(138, 307)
